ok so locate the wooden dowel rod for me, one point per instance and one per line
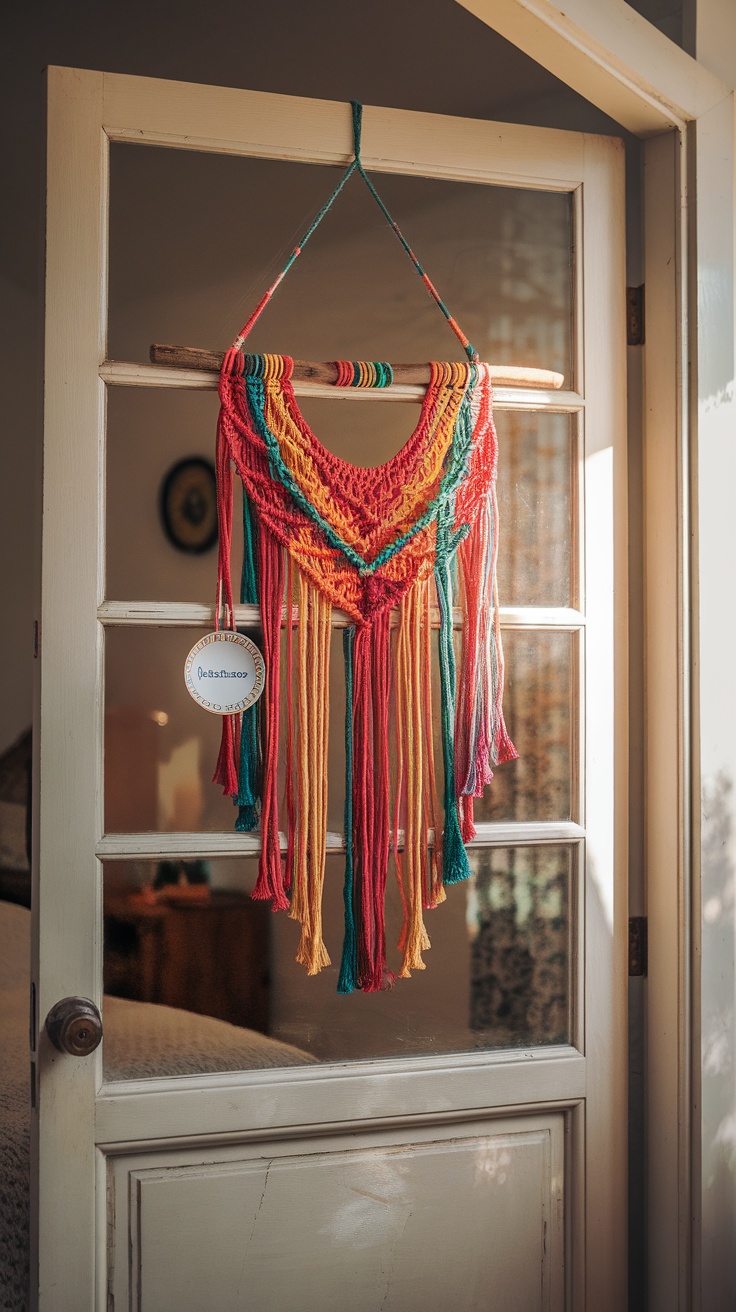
(192, 357)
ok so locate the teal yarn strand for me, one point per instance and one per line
(356, 110)
(348, 977)
(249, 576)
(455, 865)
(247, 799)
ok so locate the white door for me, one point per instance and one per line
(458, 1142)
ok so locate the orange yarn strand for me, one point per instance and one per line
(434, 889)
(289, 799)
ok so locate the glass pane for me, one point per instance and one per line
(535, 489)
(161, 747)
(189, 937)
(540, 711)
(196, 238)
(150, 432)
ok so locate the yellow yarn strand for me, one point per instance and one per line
(435, 891)
(315, 627)
(318, 957)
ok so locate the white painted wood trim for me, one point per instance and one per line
(605, 746)
(66, 907)
(610, 55)
(269, 126)
(265, 1102)
(710, 843)
(128, 373)
(522, 398)
(132, 847)
(126, 1178)
(195, 615)
(663, 511)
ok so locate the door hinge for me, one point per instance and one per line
(638, 945)
(36, 639)
(635, 316)
(32, 1019)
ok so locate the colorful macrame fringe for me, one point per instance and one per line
(368, 541)
(321, 533)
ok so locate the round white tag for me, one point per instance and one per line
(225, 672)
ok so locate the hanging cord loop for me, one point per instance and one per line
(357, 112)
(356, 165)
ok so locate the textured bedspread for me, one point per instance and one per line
(141, 1041)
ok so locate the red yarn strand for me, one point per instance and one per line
(363, 804)
(381, 679)
(270, 882)
(226, 770)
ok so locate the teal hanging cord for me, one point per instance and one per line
(357, 110)
(247, 799)
(455, 866)
(349, 964)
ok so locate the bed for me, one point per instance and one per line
(142, 1040)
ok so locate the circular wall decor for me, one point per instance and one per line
(188, 503)
(225, 672)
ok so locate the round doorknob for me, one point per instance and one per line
(74, 1025)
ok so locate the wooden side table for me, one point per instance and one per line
(211, 957)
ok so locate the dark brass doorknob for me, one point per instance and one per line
(74, 1025)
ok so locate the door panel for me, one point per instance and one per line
(190, 1235)
(520, 1015)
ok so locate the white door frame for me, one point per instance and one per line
(624, 65)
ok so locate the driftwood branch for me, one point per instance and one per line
(192, 357)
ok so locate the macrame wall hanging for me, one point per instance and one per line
(390, 546)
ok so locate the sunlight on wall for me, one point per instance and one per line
(180, 797)
(600, 724)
